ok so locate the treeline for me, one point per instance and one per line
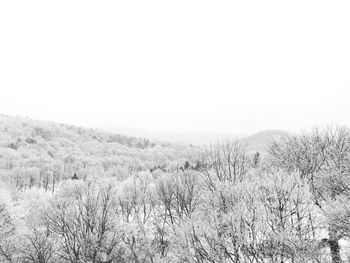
(290, 205)
(42, 154)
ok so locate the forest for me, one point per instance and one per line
(75, 195)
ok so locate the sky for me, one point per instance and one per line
(177, 66)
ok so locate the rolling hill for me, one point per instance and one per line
(40, 152)
(66, 149)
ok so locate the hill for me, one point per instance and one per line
(43, 153)
(259, 141)
(196, 138)
(48, 149)
(256, 141)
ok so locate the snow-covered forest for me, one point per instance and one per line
(187, 131)
(70, 194)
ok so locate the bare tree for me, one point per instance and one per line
(7, 230)
(83, 223)
(37, 247)
(323, 158)
(228, 161)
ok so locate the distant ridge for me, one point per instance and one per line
(196, 138)
(30, 143)
(254, 142)
(259, 141)
(143, 139)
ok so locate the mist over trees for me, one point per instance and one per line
(136, 201)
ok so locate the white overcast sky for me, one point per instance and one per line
(216, 66)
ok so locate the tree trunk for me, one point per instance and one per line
(334, 246)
